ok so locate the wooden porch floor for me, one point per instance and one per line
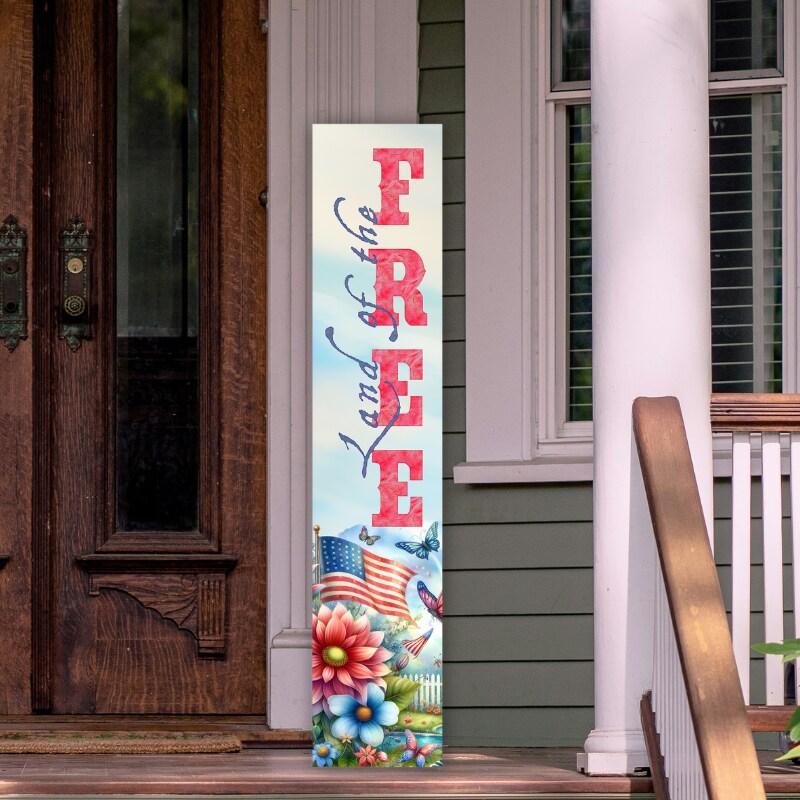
(275, 773)
(489, 772)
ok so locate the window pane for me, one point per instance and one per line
(746, 249)
(744, 35)
(157, 263)
(571, 28)
(746, 243)
(579, 264)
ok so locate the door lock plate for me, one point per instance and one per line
(75, 248)
(13, 282)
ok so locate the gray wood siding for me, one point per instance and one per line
(518, 559)
(518, 577)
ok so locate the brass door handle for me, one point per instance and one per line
(74, 252)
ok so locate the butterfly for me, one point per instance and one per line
(423, 548)
(437, 662)
(365, 537)
(415, 645)
(430, 600)
(413, 750)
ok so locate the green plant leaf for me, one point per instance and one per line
(400, 691)
(793, 753)
(793, 726)
(317, 733)
(325, 724)
(790, 648)
(347, 760)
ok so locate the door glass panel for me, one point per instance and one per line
(157, 265)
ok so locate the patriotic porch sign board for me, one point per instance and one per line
(377, 446)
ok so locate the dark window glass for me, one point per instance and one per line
(745, 35)
(746, 249)
(157, 264)
(579, 264)
(572, 19)
(746, 243)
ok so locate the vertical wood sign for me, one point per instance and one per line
(377, 445)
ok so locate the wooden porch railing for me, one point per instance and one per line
(719, 734)
(756, 423)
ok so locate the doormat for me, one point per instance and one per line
(144, 743)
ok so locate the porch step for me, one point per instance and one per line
(545, 774)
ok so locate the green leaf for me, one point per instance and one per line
(325, 724)
(347, 760)
(317, 733)
(793, 753)
(790, 649)
(400, 691)
(793, 726)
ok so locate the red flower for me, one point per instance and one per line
(346, 656)
(367, 756)
(407, 720)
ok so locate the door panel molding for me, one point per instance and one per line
(189, 590)
(42, 322)
(16, 398)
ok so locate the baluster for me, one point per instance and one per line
(773, 561)
(794, 470)
(740, 559)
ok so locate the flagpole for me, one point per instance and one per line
(316, 554)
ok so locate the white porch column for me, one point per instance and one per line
(651, 321)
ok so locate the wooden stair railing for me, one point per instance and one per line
(716, 705)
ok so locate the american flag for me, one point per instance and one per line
(351, 573)
(415, 645)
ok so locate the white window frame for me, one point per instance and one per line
(516, 424)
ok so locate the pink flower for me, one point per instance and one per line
(346, 657)
(367, 756)
(407, 720)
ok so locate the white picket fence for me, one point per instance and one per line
(430, 690)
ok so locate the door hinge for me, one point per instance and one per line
(263, 15)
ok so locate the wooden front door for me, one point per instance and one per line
(132, 417)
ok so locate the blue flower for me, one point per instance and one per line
(363, 720)
(324, 754)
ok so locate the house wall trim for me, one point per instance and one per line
(350, 61)
(514, 329)
(500, 235)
